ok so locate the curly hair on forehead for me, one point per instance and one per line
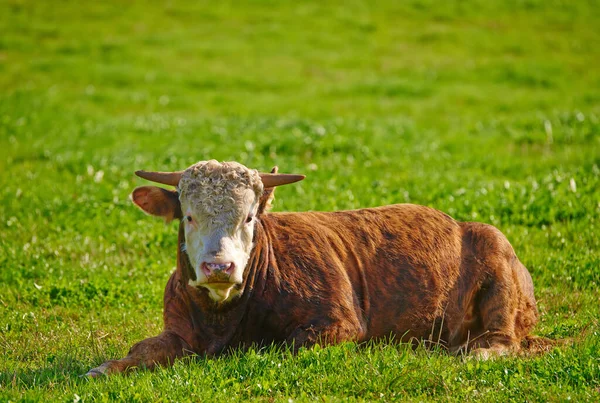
(215, 187)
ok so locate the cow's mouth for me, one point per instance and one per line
(220, 291)
(219, 285)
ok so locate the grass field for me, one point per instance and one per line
(487, 110)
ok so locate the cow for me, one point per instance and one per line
(247, 277)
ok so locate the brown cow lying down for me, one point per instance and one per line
(247, 277)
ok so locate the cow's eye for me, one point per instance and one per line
(249, 218)
(189, 218)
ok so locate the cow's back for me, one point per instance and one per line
(391, 267)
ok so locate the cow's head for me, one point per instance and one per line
(218, 204)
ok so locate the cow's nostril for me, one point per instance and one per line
(229, 270)
(218, 266)
(213, 268)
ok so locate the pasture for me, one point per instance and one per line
(486, 110)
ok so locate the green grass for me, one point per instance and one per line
(487, 110)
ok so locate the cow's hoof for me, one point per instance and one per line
(485, 354)
(94, 373)
(480, 354)
(102, 370)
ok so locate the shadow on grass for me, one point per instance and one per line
(62, 370)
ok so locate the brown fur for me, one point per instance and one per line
(404, 270)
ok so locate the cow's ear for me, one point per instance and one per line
(266, 199)
(158, 201)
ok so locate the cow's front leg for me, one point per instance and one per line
(160, 350)
(334, 333)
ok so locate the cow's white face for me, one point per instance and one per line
(219, 203)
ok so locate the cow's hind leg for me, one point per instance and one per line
(496, 310)
(506, 308)
(160, 350)
(495, 295)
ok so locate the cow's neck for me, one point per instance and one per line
(186, 272)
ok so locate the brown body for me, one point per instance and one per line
(404, 270)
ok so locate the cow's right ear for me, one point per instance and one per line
(158, 201)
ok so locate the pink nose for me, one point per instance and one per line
(216, 268)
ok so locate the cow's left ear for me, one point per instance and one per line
(158, 201)
(266, 199)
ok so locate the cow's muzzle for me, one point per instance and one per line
(217, 272)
